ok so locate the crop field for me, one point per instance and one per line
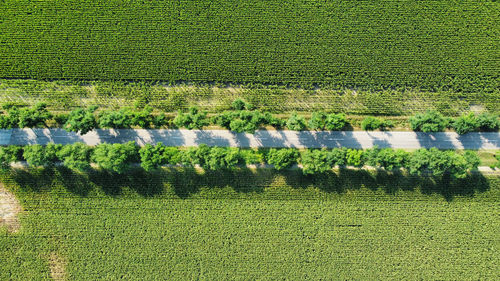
(431, 45)
(250, 224)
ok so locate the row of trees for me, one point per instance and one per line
(241, 119)
(119, 157)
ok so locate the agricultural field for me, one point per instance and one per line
(430, 45)
(250, 224)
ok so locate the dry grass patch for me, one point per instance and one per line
(9, 209)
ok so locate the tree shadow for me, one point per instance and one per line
(75, 182)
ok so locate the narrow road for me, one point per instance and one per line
(303, 139)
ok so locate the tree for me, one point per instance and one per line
(315, 161)
(115, 157)
(282, 158)
(466, 123)
(354, 157)
(335, 122)
(9, 154)
(152, 156)
(142, 118)
(337, 156)
(439, 163)
(120, 119)
(81, 121)
(472, 160)
(488, 122)
(296, 122)
(75, 156)
(239, 104)
(194, 119)
(386, 158)
(431, 121)
(37, 155)
(317, 121)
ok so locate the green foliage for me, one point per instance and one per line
(239, 104)
(9, 154)
(371, 123)
(194, 119)
(354, 157)
(431, 121)
(441, 163)
(337, 156)
(222, 158)
(250, 156)
(75, 156)
(315, 161)
(466, 123)
(296, 122)
(282, 158)
(115, 157)
(386, 158)
(81, 120)
(488, 122)
(335, 122)
(153, 156)
(33, 117)
(317, 121)
(472, 159)
(37, 155)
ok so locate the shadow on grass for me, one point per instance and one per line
(184, 182)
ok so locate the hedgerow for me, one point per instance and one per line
(294, 43)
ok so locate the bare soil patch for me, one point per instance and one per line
(9, 210)
(57, 267)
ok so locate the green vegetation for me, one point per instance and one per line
(431, 121)
(371, 123)
(339, 225)
(299, 43)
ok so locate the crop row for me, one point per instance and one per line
(432, 45)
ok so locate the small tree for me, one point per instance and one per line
(239, 104)
(315, 161)
(296, 122)
(81, 121)
(337, 156)
(466, 123)
(191, 120)
(488, 122)
(354, 157)
(8, 155)
(75, 156)
(317, 121)
(335, 122)
(282, 158)
(152, 156)
(115, 157)
(431, 121)
(37, 155)
(120, 119)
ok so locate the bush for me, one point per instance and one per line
(120, 119)
(250, 156)
(81, 121)
(115, 157)
(296, 122)
(488, 122)
(240, 104)
(337, 156)
(9, 154)
(152, 156)
(472, 159)
(335, 122)
(282, 158)
(75, 156)
(466, 123)
(315, 161)
(354, 157)
(317, 121)
(431, 121)
(222, 158)
(371, 123)
(387, 158)
(33, 117)
(440, 163)
(191, 120)
(37, 155)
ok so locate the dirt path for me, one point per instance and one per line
(9, 209)
(57, 267)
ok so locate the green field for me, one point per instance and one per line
(252, 224)
(432, 45)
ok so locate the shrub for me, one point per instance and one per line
(371, 123)
(315, 161)
(115, 157)
(488, 122)
(466, 123)
(38, 155)
(9, 154)
(354, 157)
(431, 121)
(386, 158)
(337, 156)
(142, 118)
(152, 156)
(75, 156)
(472, 159)
(317, 121)
(191, 120)
(439, 163)
(120, 119)
(282, 158)
(222, 158)
(296, 122)
(250, 156)
(240, 104)
(33, 117)
(81, 121)
(335, 122)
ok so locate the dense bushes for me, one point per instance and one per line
(81, 120)
(33, 117)
(194, 119)
(430, 121)
(118, 158)
(371, 123)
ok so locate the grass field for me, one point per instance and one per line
(432, 45)
(66, 95)
(251, 224)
